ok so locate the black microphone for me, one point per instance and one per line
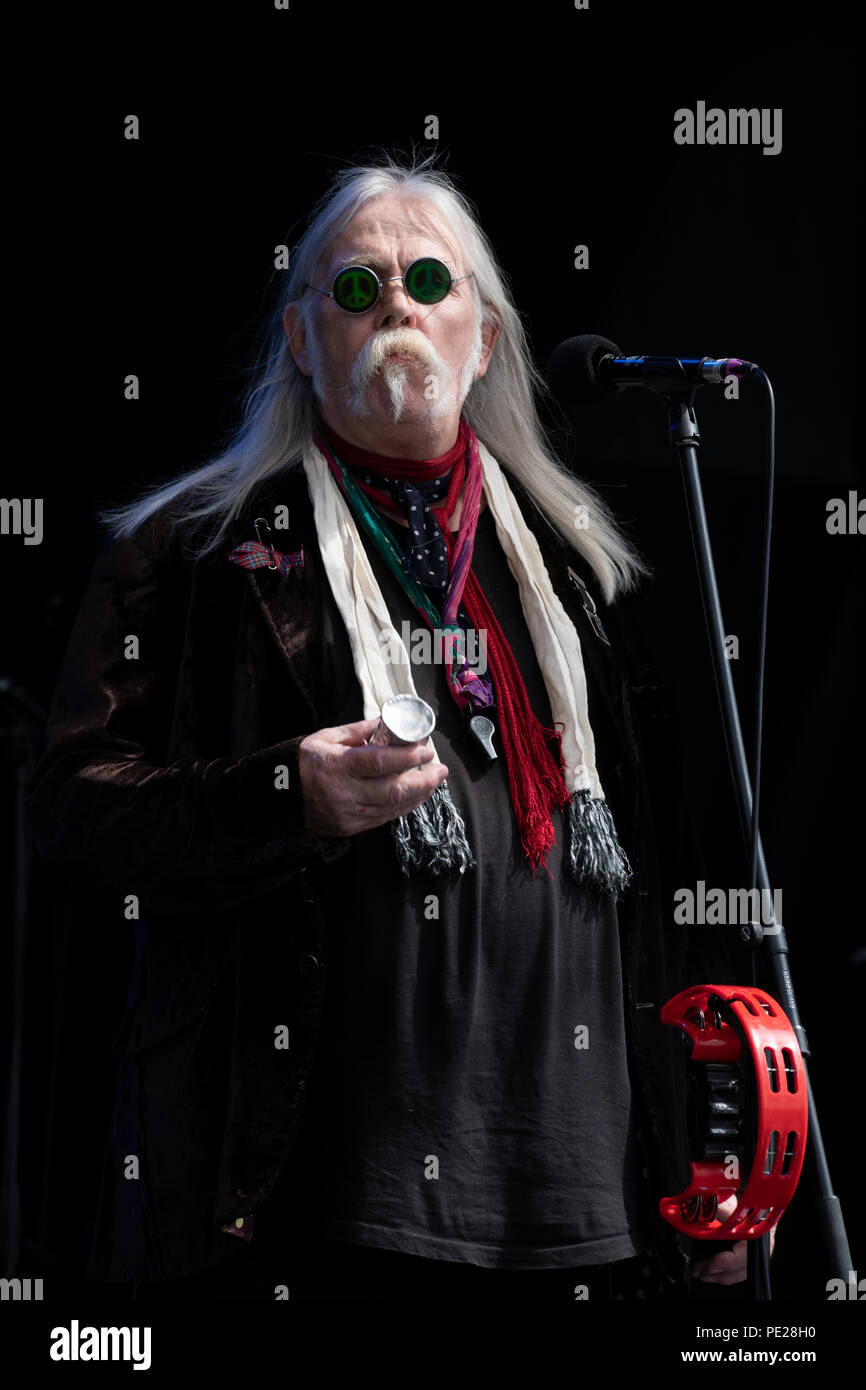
(589, 367)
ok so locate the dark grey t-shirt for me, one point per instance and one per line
(451, 1113)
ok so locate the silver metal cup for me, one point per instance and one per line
(404, 719)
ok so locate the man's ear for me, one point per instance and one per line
(296, 337)
(490, 331)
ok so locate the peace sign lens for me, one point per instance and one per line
(428, 281)
(356, 289)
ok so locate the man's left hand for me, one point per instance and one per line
(728, 1266)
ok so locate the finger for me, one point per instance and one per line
(726, 1258)
(351, 734)
(726, 1263)
(402, 795)
(380, 760)
(712, 1265)
(733, 1277)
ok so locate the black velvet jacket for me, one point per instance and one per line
(159, 773)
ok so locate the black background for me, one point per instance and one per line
(155, 257)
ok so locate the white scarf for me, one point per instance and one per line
(433, 835)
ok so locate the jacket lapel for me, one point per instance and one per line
(290, 605)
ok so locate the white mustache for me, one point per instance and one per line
(403, 341)
(372, 361)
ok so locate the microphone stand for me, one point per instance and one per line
(685, 439)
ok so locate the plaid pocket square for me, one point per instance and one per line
(253, 556)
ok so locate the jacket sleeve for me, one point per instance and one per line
(102, 799)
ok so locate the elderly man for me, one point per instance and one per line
(393, 1024)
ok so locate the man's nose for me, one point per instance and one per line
(396, 306)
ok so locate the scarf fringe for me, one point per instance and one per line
(432, 838)
(595, 853)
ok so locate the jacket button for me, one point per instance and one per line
(308, 965)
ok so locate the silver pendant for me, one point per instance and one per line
(482, 730)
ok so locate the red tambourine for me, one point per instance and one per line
(749, 1105)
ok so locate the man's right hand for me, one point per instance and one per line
(349, 786)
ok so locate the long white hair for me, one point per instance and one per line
(279, 406)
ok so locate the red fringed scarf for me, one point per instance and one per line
(535, 776)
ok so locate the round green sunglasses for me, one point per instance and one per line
(356, 288)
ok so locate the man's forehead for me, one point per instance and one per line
(375, 231)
